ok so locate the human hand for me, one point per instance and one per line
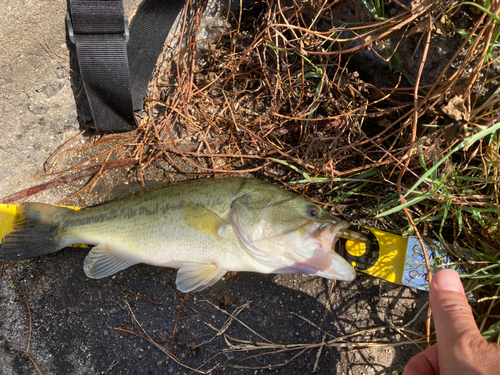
(460, 348)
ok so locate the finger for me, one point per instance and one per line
(452, 314)
(424, 363)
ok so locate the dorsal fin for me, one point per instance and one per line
(126, 190)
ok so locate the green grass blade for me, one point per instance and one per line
(292, 167)
(409, 203)
(483, 9)
(492, 333)
(349, 193)
(483, 133)
(317, 180)
(445, 216)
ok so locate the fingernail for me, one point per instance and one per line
(448, 280)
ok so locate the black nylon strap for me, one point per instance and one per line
(97, 17)
(148, 32)
(99, 31)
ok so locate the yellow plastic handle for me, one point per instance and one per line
(383, 256)
(7, 214)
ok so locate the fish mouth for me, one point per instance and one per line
(320, 259)
(339, 268)
(327, 264)
(324, 261)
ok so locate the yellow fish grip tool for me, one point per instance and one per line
(393, 257)
(7, 217)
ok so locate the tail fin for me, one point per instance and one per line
(37, 231)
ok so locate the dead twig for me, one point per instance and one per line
(26, 351)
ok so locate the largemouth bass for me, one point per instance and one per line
(204, 228)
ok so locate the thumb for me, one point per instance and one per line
(451, 311)
(456, 329)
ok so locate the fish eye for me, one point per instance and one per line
(313, 211)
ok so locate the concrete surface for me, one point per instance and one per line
(37, 105)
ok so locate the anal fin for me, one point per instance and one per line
(101, 262)
(195, 276)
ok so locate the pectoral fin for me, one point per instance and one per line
(202, 219)
(195, 276)
(101, 262)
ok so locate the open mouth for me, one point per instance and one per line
(317, 257)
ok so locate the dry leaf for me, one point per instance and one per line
(455, 109)
(418, 7)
